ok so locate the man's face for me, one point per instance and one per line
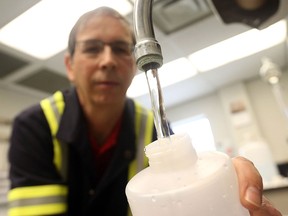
(103, 65)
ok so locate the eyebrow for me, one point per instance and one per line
(95, 40)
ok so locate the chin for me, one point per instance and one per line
(108, 100)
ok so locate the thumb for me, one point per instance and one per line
(250, 183)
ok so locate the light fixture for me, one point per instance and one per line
(42, 31)
(169, 74)
(239, 46)
(269, 71)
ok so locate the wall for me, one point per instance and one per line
(272, 122)
(12, 100)
(267, 119)
(212, 108)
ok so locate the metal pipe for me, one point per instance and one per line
(147, 50)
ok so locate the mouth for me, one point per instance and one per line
(106, 84)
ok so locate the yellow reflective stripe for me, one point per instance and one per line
(129, 212)
(37, 191)
(149, 133)
(38, 200)
(149, 128)
(57, 154)
(52, 120)
(132, 169)
(138, 111)
(59, 100)
(53, 124)
(47, 209)
(133, 165)
(145, 127)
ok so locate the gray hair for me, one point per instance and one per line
(101, 11)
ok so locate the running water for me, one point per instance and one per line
(157, 102)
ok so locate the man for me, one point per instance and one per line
(80, 164)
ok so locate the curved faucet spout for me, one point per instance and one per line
(147, 50)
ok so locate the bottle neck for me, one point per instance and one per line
(170, 154)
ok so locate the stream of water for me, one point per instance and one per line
(157, 102)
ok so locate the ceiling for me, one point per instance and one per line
(183, 33)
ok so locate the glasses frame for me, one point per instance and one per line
(95, 47)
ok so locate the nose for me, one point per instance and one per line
(108, 58)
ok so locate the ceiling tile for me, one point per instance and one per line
(45, 80)
(10, 64)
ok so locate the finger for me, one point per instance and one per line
(250, 183)
(266, 209)
(270, 208)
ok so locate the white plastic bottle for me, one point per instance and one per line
(180, 183)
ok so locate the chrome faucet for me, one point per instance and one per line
(148, 59)
(147, 50)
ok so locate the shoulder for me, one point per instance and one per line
(134, 105)
(30, 124)
(30, 133)
(33, 120)
(31, 114)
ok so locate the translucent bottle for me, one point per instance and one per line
(180, 183)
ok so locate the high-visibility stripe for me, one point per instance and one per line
(38, 201)
(132, 169)
(35, 200)
(50, 115)
(59, 101)
(148, 133)
(143, 133)
(53, 124)
(141, 136)
(137, 119)
(48, 209)
(53, 108)
(37, 191)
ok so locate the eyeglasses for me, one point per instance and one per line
(95, 47)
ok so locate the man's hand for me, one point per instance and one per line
(251, 187)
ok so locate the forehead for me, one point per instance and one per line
(104, 26)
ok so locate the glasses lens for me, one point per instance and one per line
(93, 46)
(121, 48)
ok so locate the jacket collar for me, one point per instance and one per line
(70, 128)
(72, 120)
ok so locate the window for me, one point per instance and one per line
(199, 130)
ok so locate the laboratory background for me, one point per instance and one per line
(224, 77)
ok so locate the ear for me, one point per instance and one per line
(69, 66)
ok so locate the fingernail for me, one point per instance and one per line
(253, 196)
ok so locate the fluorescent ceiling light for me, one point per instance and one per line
(42, 31)
(238, 47)
(169, 74)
